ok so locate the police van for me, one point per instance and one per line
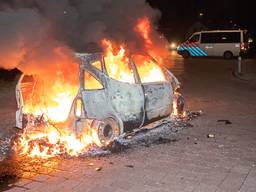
(220, 43)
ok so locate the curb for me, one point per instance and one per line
(240, 76)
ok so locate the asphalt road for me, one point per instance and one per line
(226, 162)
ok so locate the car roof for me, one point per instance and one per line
(223, 31)
(87, 58)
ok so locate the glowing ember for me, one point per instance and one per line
(51, 143)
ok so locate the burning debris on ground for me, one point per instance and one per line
(24, 167)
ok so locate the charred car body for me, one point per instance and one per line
(111, 106)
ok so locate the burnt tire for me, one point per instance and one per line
(185, 54)
(180, 104)
(228, 55)
(108, 130)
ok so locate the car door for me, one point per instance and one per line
(93, 86)
(157, 90)
(125, 94)
(128, 102)
(91, 101)
(106, 94)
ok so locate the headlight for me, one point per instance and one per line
(173, 46)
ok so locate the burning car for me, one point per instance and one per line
(112, 98)
(108, 103)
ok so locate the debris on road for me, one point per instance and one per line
(162, 140)
(5, 145)
(98, 168)
(193, 114)
(227, 122)
(210, 136)
(129, 166)
(116, 146)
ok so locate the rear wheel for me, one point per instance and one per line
(107, 130)
(228, 55)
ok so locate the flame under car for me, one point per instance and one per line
(107, 103)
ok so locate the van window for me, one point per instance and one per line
(221, 37)
(194, 38)
(90, 82)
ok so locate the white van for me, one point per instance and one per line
(220, 43)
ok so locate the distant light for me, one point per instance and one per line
(201, 14)
(161, 37)
(250, 40)
(173, 45)
(65, 12)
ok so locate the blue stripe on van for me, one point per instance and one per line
(200, 50)
(193, 49)
(191, 52)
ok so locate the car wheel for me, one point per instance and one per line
(107, 130)
(228, 55)
(185, 54)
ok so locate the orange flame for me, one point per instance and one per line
(54, 103)
(144, 28)
(119, 67)
(51, 142)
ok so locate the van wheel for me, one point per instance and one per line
(185, 54)
(107, 130)
(228, 55)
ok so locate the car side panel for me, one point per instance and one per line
(127, 101)
(159, 98)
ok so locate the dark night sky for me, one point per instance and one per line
(179, 15)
